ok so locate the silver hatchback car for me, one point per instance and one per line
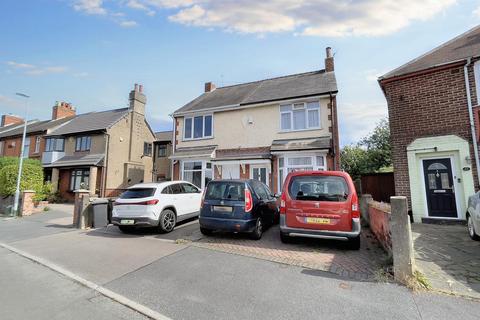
(473, 216)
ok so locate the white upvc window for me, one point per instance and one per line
(37, 144)
(198, 127)
(476, 69)
(197, 172)
(289, 163)
(300, 116)
(260, 173)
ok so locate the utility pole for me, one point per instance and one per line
(20, 162)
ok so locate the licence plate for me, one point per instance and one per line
(318, 220)
(222, 209)
(127, 221)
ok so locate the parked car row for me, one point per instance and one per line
(313, 204)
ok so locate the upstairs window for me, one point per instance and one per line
(54, 144)
(147, 149)
(162, 151)
(199, 127)
(300, 116)
(83, 143)
(37, 144)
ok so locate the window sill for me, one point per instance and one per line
(196, 139)
(300, 130)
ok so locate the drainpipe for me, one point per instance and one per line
(105, 165)
(334, 135)
(174, 133)
(470, 114)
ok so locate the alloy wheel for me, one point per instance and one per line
(471, 230)
(168, 221)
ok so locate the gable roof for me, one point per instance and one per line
(269, 90)
(93, 121)
(460, 48)
(34, 126)
(164, 136)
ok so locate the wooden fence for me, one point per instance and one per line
(380, 185)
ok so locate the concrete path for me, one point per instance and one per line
(448, 258)
(182, 281)
(31, 291)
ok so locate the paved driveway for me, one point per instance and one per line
(448, 257)
(325, 255)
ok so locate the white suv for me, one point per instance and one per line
(156, 204)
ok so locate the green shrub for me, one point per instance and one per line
(7, 161)
(32, 178)
(46, 193)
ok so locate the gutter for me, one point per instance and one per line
(470, 115)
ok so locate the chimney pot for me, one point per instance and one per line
(209, 86)
(136, 87)
(140, 88)
(329, 52)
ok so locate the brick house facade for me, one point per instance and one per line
(430, 129)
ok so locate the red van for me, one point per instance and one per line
(320, 204)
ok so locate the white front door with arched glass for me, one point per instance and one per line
(260, 173)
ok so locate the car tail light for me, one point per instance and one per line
(355, 209)
(283, 200)
(248, 200)
(143, 203)
(203, 198)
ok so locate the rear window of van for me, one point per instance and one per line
(137, 193)
(225, 190)
(318, 188)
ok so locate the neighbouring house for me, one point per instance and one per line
(433, 110)
(11, 136)
(260, 130)
(104, 152)
(162, 150)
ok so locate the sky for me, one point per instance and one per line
(91, 52)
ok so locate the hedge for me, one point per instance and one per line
(7, 161)
(32, 177)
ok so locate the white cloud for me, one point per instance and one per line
(128, 23)
(356, 120)
(476, 12)
(326, 18)
(90, 7)
(33, 70)
(81, 74)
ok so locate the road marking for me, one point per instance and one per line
(89, 284)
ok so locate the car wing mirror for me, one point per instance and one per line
(276, 195)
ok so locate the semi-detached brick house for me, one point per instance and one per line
(433, 111)
(260, 130)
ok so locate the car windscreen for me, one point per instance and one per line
(318, 188)
(225, 190)
(136, 193)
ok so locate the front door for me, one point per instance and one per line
(439, 187)
(231, 171)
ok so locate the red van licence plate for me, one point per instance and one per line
(317, 220)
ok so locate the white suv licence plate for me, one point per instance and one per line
(123, 221)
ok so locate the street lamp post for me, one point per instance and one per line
(20, 163)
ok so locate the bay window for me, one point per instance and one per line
(198, 127)
(79, 179)
(287, 164)
(300, 116)
(54, 144)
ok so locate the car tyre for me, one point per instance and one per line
(126, 229)
(471, 229)
(258, 231)
(206, 232)
(285, 238)
(167, 221)
(354, 243)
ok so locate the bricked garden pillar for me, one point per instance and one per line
(27, 202)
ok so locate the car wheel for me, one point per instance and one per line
(471, 229)
(206, 232)
(167, 221)
(354, 243)
(276, 218)
(285, 238)
(258, 231)
(126, 229)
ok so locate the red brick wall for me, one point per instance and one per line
(274, 177)
(9, 119)
(429, 104)
(379, 216)
(62, 111)
(12, 147)
(176, 171)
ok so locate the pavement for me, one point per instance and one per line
(448, 258)
(184, 280)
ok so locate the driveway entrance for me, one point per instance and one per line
(449, 259)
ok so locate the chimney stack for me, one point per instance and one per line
(63, 110)
(329, 63)
(210, 86)
(9, 119)
(138, 99)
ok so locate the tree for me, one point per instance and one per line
(372, 154)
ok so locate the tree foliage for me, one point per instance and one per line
(32, 176)
(372, 154)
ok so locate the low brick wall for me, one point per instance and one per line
(29, 206)
(379, 216)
